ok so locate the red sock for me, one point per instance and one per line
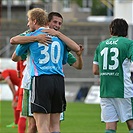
(21, 125)
(16, 116)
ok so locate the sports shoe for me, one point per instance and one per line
(13, 125)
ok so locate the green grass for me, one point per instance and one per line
(6, 117)
(79, 118)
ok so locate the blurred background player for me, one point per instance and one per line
(12, 79)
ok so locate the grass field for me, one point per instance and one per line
(79, 118)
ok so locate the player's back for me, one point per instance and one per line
(47, 59)
(114, 61)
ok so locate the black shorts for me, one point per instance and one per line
(48, 94)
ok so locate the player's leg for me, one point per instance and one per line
(109, 115)
(22, 119)
(14, 105)
(31, 121)
(55, 122)
(126, 105)
(58, 103)
(123, 107)
(22, 124)
(111, 127)
(26, 111)
(31, 125)
(42, 122)
(130, 125)
(41, 101)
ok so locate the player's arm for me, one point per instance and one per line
(95, 69)
(16, 58)
(42, 38)
(12, 87)
(79, 60)
(69, 42)
(20, 51)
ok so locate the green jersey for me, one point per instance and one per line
(71, 59)
(114, 57)
(25, 32)
(24, 56)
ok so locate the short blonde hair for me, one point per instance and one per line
(38, 14)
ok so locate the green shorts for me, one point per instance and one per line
(26, 104)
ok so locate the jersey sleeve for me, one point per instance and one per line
(130, 54)
(22, 53)
(95, 60)
(71, 59)
(22, 49)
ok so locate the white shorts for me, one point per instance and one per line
(115, 109)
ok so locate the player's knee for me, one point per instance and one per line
(32, 127)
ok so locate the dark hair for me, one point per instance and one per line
(119, 27)
(51, 14)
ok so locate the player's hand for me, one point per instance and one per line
(79, 53)
(14, 104)
(51, 32)
(44, 39)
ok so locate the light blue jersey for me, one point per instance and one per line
(45, 59)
